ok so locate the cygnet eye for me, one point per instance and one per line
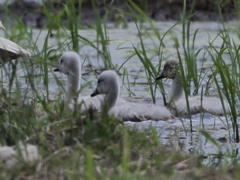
(99, 81)
(61, 61)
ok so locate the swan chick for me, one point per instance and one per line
(108, 84)
(12, 156)
(177, 99)
(70, 65)
(10, 50)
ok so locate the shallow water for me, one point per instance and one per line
(174, 133)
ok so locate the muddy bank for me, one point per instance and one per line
(35, 12)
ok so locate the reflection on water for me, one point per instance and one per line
(176, 134)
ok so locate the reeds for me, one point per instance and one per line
(100, 146)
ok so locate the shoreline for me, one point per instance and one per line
(34, 14)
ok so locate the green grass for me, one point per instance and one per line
(98, 146)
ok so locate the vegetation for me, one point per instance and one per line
(98, 146)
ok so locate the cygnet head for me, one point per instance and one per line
(108, 84)
(170, 70)
(69, 63)
(107, 81)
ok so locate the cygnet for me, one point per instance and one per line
(109, 85)
(177, 99)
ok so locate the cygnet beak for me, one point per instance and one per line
(160, 76)
(56, 69)
(95, 93)
(1, 26)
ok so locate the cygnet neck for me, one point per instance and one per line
(111, 99)
(73, 83)
(177, 91)
(113, 93)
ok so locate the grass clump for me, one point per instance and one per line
(76, 147)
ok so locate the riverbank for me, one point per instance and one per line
(35, 13)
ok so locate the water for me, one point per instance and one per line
(9, 2)
(173, 133)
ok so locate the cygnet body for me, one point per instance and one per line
(70, 65)
(10, 50)
(13, 157)
(177, 99)
(108, 84)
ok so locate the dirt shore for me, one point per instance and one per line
(32, 13)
